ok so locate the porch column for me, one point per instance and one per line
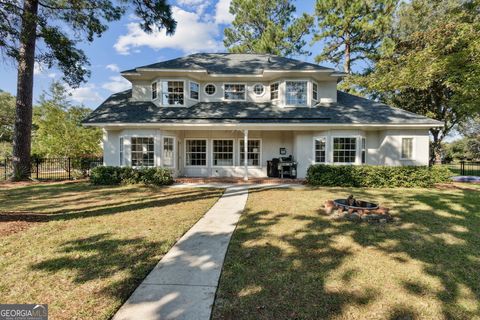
(245, 152)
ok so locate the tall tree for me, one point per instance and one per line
(266, 26)
(56, 26)
(59, 132)
(351, 29)
(432, 68)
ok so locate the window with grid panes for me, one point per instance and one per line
(196, 152)
(234, 91)
(168, 149)
(142, 152)
(320, 150)
(344, 150)
(173, 93)
(253, 152)
(222, 153)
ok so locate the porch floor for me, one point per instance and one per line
(232, 180)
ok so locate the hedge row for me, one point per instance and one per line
(125, 175)
(376, 176)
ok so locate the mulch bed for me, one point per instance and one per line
(13, 222)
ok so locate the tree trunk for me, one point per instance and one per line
(23, 114)
(436, 147)
(346, 63)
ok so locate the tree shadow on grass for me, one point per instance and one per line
(287, 278)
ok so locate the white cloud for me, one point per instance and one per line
(192, 35)
(112, 67)
(87, 93)
(222, 15)
(117, 84)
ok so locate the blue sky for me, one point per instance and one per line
(124, 46)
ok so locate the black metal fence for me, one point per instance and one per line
(54, 168)
(470, 168)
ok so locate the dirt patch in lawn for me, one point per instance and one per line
(13, 222)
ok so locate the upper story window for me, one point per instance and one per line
(154, 91)
(210, 89)
(194, 90)
(296, 93)
(314, 91)
(173, 93)
(234, 91)
(274, 91)
(258, 89)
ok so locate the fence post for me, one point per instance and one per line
(69, 170)
(462, 167)
(37, 165)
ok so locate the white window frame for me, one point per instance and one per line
(324, 138)
(306, 81)
(263, 89)
(401, 148)
(174, 165)
(315, 91)
(333, 149)
(156, 91)
(235, 84)
(162, 93)
(205, 89)
(277, 91)
(190, 90)
(185, 153)
(260, 156)
(121, 153)
(154, 149)
(212, 152)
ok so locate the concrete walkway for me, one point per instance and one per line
(184, 282)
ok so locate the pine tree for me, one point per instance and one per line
(266, 26)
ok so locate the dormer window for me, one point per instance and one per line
(173, 93)
(194, 90)
(234, 92)
(154, 91)
(274, 91)
(258, 89)
(296, 93)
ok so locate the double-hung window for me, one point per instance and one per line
(154, 90)
(234, 91)
(296, 93)
(253, 152)
(222, 153)
(168, 151)
(173, 93)
(320, 149)
(407, 148)
(194, 90)
(196, 152)
(121, 160)
(142, 152)
(364, 150)
(344, 150)
(274, 91)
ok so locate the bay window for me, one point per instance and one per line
(222, 153)
(194, 90)
(196, 152)
(173, 93)
(344, 150)
(253, 152)
(274, 91)
(296, 93)
(142, 152)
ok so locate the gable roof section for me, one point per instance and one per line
(233, 63)
(350, 109)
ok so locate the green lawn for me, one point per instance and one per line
(287, 260)
(86, 260)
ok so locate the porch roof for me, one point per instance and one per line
(349, 109)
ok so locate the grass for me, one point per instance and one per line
(85, 261)
(287, 260)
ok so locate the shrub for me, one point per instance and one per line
(126, 175)
(376, 176)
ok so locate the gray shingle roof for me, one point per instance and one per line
(233, 63)
(349, 109)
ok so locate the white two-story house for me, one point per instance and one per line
(226, 115)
